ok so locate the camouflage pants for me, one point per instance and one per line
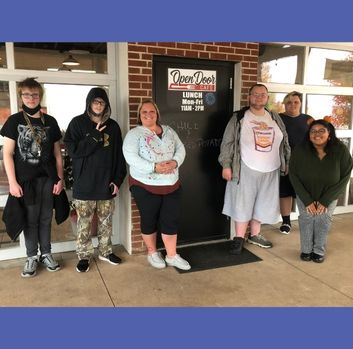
(85, 210)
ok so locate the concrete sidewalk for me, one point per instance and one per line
(280, 279)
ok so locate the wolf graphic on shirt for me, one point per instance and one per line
(28, 147)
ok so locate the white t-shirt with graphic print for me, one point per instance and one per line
(260, 139)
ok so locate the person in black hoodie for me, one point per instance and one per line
(94, 142)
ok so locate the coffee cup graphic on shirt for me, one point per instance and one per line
(264, 138)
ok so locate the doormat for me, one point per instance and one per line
(214, 255)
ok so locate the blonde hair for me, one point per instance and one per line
(148, 101)
(293, 94)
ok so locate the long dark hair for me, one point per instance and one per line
(332, 140)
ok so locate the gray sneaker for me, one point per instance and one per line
(178, 262)
(156, 260)
(49, 261)
(30, 267)
(259, 240)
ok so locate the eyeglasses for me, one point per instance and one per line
(98, 102)
(320, 131)
(262, 95)
(29, 95)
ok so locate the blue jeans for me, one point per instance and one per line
(314, 229)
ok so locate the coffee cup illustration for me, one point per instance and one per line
(263, 138)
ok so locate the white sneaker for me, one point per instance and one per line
(178, 262)
(156, 260)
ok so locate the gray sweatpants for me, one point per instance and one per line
(314, 229)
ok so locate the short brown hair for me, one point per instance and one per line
(257, 85)
(31, 84)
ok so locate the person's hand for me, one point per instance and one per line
(16, 190)
(99, 127)
(166, 167)
(227, 174)
(311, 209)
(114, 189)
(58, 187)
(286, 170)
(320, 209)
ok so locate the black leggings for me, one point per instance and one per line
(158, 212)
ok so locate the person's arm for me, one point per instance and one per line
(119, 171)
(167, 167)
(131, 154)
(335, 190)
(180, 153)
(58, 187)
(80, 145)
(226, 155)
(8, 152)
(296, 166)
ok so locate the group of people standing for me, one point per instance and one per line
(34, 166)
(255, 151)
(268, 159)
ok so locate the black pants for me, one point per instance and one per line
(158, 212)
(39, 216)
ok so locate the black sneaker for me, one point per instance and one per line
(285, 228)
(305, 257)
(317, 258)
(236, 246)
(82, 266)
(111, 258)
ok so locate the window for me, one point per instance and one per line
(281, 63)
(337, 108)
(88, 57)
(323, 73)
(3, 63)
(4, 102)
(275, 102)
(330, 67)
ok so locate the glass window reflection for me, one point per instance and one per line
(275, 102)
(74, 57)
(3, 63)
(330, 67)
(281, 63)
(4, 102)
(336, 109)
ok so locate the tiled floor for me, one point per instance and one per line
(280, 279)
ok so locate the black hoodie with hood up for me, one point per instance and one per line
(97, 157)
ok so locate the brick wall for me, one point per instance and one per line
(140, 81)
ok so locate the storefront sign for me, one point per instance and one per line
(191, 80)
(196, 88)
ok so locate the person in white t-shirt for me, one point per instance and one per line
(254, 151)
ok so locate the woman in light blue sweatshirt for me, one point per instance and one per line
(154, 153)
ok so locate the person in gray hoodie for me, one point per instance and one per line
(254, 151)
(93, 141)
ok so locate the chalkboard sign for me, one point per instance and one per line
(195, 98)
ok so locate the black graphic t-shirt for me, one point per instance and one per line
(33, 153)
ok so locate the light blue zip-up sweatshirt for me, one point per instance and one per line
(142, 149)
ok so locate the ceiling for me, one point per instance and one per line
(72, 47)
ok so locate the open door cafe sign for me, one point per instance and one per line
(191, 80)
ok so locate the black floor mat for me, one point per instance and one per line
(213, 255)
